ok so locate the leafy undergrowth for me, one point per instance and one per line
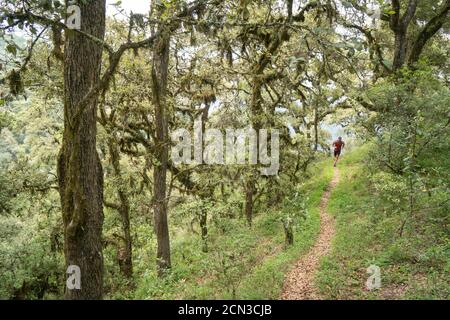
(241, 263)
(414, 263)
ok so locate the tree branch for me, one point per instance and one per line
(427, 32)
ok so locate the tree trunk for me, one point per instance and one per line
(400, 24)
(126, 254)
(289, 234)
(249, 191)
(316, 129)
(204, 228)
(401, 43)
(428, 31)
(79, 168)
(257, 110)
(256, 114)
(159, 79)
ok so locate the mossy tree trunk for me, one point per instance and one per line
(123, 207)
(79, 168)
(159, 90)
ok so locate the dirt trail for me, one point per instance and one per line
(299, 282)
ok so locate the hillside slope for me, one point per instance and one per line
(371, 229)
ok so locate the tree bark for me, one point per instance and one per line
(159, 79)
(249, 191)
(316, 128)
(408, 50)
(204, 229)
(125, 253)
(289, 234)
(430, 29)
(79, 168)
(400, 45)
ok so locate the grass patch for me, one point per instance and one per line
(414, 265)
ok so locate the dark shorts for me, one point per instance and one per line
(337, 152)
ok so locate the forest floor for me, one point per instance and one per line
(260, 260)
(299, 283)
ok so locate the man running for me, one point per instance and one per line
(338, 146)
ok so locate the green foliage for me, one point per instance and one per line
(413, 124)
(30, 268)
(237, 65)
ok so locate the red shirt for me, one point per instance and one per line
(338, 145)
